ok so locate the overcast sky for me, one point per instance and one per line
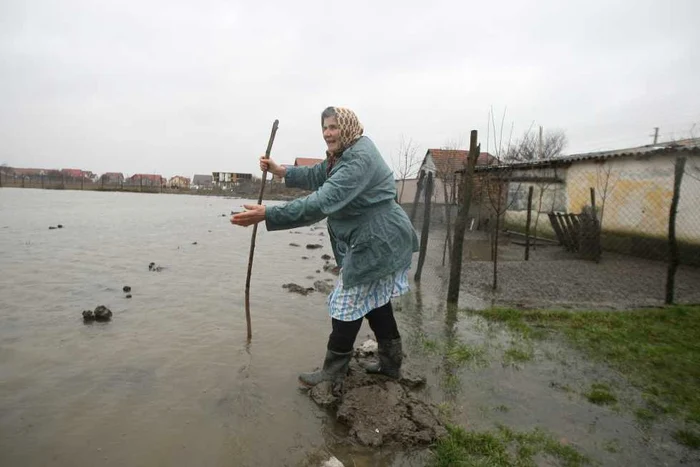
(175, 87)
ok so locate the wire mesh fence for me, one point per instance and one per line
(618, 227)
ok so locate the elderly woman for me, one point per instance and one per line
(371, 236)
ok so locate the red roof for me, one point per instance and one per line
(306, 161)
(75, 173)
(450, 160)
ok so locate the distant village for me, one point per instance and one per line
(46, 178)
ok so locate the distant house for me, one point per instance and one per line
(306, 161)
(179, 182)
(78, 174)
(446, 166)
(112, 177)
(27, 173)
(202, 182)
(147, 180)
(226, 180)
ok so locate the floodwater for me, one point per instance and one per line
(171, 381)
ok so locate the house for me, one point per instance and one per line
(445, 165)
(306, 161)
(179, 182)
(27, 173)
(631, 189)
(202, 182)
(112, 178)
(226, 180)
(78, 174)
(147, 180)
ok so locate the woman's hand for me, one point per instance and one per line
(255, 213)
(273, 167)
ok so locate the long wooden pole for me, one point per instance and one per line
(461, 222)
(255, 231)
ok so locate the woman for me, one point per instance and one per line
(371, 236)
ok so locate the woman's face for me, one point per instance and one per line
(331, 134)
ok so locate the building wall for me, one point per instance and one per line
(637, 203)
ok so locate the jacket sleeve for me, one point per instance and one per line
(307, 178)
(346, 182)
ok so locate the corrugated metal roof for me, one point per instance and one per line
(691, 145)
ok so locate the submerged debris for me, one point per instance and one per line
(153, 267)
(101, 313)
(296, 288)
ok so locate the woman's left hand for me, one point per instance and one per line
(255, 213)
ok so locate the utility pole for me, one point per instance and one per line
(539, 145)
(656, 134)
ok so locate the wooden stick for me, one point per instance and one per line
(255, 231)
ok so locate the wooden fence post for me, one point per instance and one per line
(673, 256)
(461, 224)
(419, 187)
(527, 224)
(426, 226)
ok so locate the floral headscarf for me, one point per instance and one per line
(350, 131)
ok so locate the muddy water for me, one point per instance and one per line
(170, 381)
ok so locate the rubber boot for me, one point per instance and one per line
(335, 368)
(390, 359)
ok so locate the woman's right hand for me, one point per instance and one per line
(273, 167)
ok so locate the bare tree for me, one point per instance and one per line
(406, 162)
(529, 148)
(496, 181)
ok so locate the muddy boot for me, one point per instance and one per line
(335, 367)
(390, 358)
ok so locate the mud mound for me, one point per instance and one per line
(379, 411)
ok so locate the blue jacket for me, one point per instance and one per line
(370, 233)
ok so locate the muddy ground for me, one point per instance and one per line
(555, 278)
(480, 375)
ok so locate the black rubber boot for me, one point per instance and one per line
(390, 359)
(335, 368)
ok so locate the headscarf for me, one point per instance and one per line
(350, 131)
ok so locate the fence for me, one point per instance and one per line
(57, 181)
(607, 210)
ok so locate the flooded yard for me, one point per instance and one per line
(171, 381)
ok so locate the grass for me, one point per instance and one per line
(518, 355)
(501, 447)
(688, 438)
(600, 394)
(658, 350)
(464, 353)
